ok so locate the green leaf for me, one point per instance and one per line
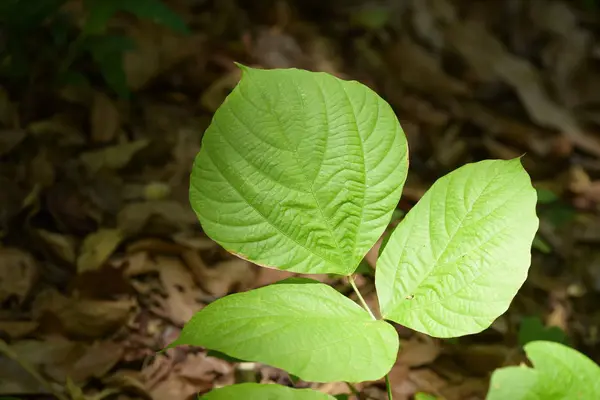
(156, 11)
(458, 258)
(299, 171)
(546, 196)
(559, 373)
(100, 12)
(532, 329)
(257, 391)
(309, 330)
(107, 52)
(424, 396)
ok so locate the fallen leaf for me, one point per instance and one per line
(182, 295)
(97, 248)
(112, 157)
(9, 139)
(18, 274)
(81, 317)
(62, 246)
(104, 118)
(419, 350)
(60, 359)
(222, 278)
(421, 70)
(18, 329)
(490, 58)
(134, 216)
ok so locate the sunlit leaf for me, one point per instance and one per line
(558, 373)
(458, 258)
(256, 391)
(308, 329)
(299, 171)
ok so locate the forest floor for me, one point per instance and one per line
(102, 260)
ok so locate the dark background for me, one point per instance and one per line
(102, 108)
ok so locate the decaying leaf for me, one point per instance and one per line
(82, 317)
(183, 298)
(18, 273)
(112, 157)
(97, 248)
(134, 216)
(62, 246)
(105, 118)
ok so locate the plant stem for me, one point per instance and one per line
(388, 387)
(353, 389)
(360, 298)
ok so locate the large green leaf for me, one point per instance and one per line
(299, 171)
(307, 329)
(560, 373)
(256, 391)
(456, 261)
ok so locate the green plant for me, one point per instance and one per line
(559, 373)
(302, 171)
(43, 41)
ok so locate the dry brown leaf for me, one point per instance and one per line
(157, 49)
(18, 329)
(97, 248)
(422, 71)
(419, 350)
(58, 358)
(82, 317)
(222, 278)
(18, 274)
(134, 216)
(104, 118)
(182, 300)
(196, 374)
(490, 58)
(112, 157)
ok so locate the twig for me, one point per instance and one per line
(7, 351)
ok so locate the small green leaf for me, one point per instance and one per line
(299, 171)
(546, 196)
(541, 245)
(156, 11)
(257, 391)
(424, 396)
(532, 329)
(458, 258)
(100, 12)
(559, 373)
(107, 52)
(309, 330)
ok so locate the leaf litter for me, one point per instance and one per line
(102, 260)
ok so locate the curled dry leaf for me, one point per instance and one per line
(197, 374)
(18, 273)
(222, 278)
(82, 317)
(182, 295)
